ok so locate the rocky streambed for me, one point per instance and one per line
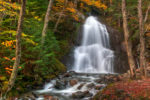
(72, 86)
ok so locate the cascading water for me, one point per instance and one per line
(94, 55)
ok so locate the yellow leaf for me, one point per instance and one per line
(3, 78)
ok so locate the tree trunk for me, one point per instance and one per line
(46, 20)
(18, 47)
(76, 3)
(142, 40)
(146, 15)
(110, 2)
(60, 16)
(127, 42)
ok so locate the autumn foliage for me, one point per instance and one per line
(127, 90)
(73, 10)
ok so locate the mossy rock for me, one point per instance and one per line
(57, 68)
(61, 68)
(50, 76)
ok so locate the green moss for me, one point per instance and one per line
(50, 76)
(60, 66)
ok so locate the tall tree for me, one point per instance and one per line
(142, 40)
(46, 20)
(127, 42)
(18, 47)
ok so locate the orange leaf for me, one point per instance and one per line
(6, 58)
(14, 58)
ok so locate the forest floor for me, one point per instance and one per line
(126, 89)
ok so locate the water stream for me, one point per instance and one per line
(92, 60)
(85, 83)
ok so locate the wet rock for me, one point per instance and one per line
(99, 81)
(91, 85)
(87, 94)
(73, 82)
(109, 79)
(67, 75)
(80, 95)
(80, 86)
(60, 84)
(72, 72)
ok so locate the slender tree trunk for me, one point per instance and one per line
(127, 42)
(60, 16)
(46, 20)
(76, 3)
(18, 47)
(146, 15)
(142, 40)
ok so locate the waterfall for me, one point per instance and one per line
(94, 54)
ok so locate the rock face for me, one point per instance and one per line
(118, 46)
